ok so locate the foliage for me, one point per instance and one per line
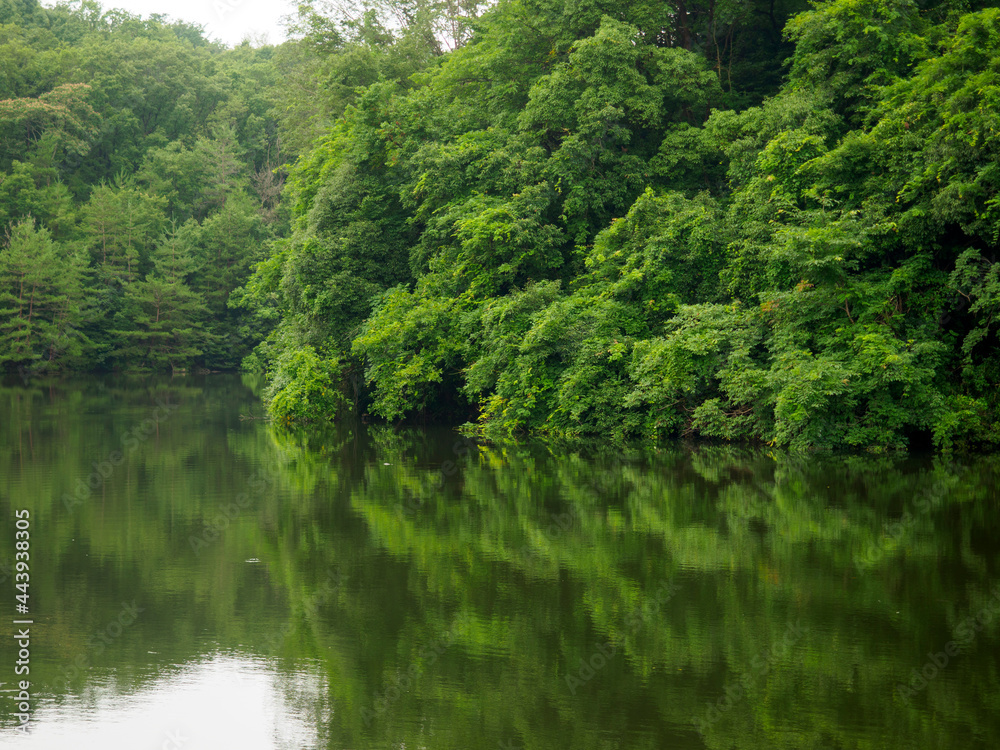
(41, 300)
(148, 162)
(587, 267)
(735, 220)
(304, 387)
(166, 318)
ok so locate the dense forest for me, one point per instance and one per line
(760, 220)
(137, 189)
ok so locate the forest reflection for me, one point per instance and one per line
(366, 586)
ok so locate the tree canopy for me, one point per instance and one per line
(765, 221)
(139, 163)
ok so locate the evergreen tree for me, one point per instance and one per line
(41, 299)
(122, 223)
(166, 318)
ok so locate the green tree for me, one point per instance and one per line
(224, 247)
(122, 223)
(166, 317)
(59, 125)
(41, 300)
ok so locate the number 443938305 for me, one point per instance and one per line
(23, 544)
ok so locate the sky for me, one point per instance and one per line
(228, 21)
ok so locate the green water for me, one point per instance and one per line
(202, 581)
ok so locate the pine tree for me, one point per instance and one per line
(166, 326)
(123, 223)
(41, 299)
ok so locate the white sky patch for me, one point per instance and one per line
(227, 21)
(223, 701)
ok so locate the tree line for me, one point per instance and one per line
(140, 170)
(768, 220)
(740, 221)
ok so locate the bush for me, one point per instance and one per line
(305, 387)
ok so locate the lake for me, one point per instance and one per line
(199, 579)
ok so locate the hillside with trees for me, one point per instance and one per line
(137, 190)
(766, 220)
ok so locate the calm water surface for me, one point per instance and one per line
(202, 581)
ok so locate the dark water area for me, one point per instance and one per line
(198, 580)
